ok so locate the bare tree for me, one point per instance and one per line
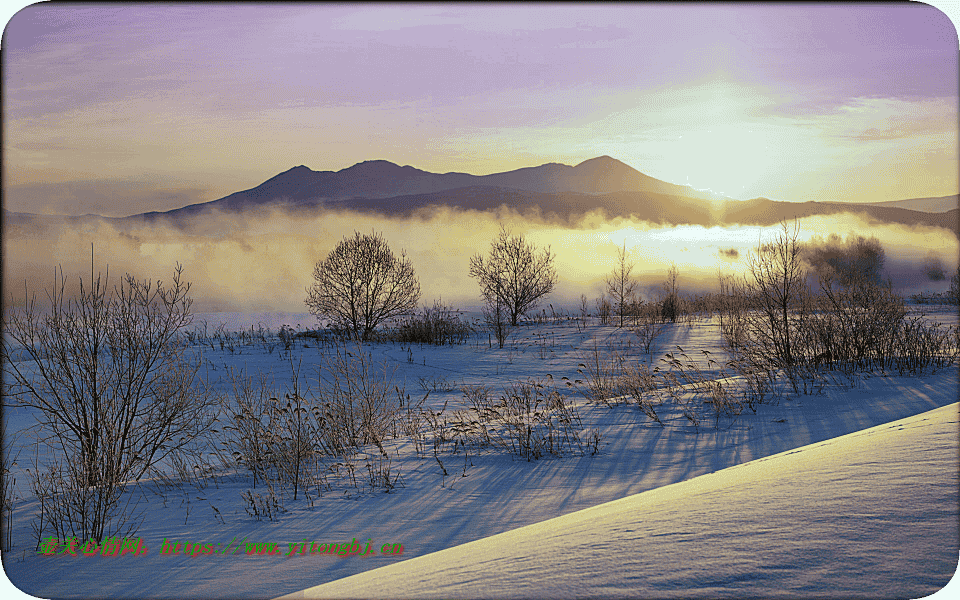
(620, 286)
(361, 284)
(777, 282)
(114, 391)
(954, 292)
(515, 276)
(670, 306)
(603, 309)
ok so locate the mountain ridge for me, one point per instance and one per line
(379, 178)
(552, 190)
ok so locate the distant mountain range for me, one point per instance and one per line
(934, 205)
(387, 187)
(556, 190)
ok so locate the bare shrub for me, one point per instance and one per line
(357, 403)
(529, 420)
(495, 317)
(848, 262)
(584, 313)
(954, 293)
(248, 416)
(641, 384)
(855, 325)
(272, 437)
(647, 327)
(293, 432)
(114, 389)
(758, 382)
(670, 305)
(435, 326)
(920, 346)
(776, 282)
(601, 369)
(361, 284)
(732, 307)
(267, 506)
(297, 441)
(436, 383)
(933, 268)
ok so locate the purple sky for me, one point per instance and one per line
(124, 108)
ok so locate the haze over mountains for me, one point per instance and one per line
(555, 190)
(255, 250)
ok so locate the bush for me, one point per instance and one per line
(436, 326)
(114, 389)
(670, 305)
(954, 292)
(776, 286)
(647, 327)
(296, 441)
(358, 404)
(601, 370)
(528, 420)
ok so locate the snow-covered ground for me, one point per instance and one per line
(867, 514)
(487, 494)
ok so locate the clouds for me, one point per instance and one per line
(747, 100)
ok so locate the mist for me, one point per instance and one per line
(262, 261)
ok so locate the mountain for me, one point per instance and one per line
(554, 190)
(939, 204)
(601, 175)
(763, 211)
(658, 208)
(380, 179)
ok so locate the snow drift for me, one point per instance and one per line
(872, 513)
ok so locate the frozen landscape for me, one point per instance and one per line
(873, 501)
(865, 514)
(459, 300)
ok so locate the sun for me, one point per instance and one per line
(727, 161)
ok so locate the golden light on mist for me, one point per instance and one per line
(264, 262)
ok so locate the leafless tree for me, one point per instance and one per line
(361, 284)
(955, 287)
(603, 309)
(670, 306)
(515, 275)
(620, 286)
(113, 387)
(776, 281)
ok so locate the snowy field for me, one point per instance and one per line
(494, 493)
(867, 514)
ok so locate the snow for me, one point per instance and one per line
(867, 514)
(495, 494)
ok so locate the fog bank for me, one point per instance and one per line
(263, 261)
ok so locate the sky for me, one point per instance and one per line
(121, 109)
